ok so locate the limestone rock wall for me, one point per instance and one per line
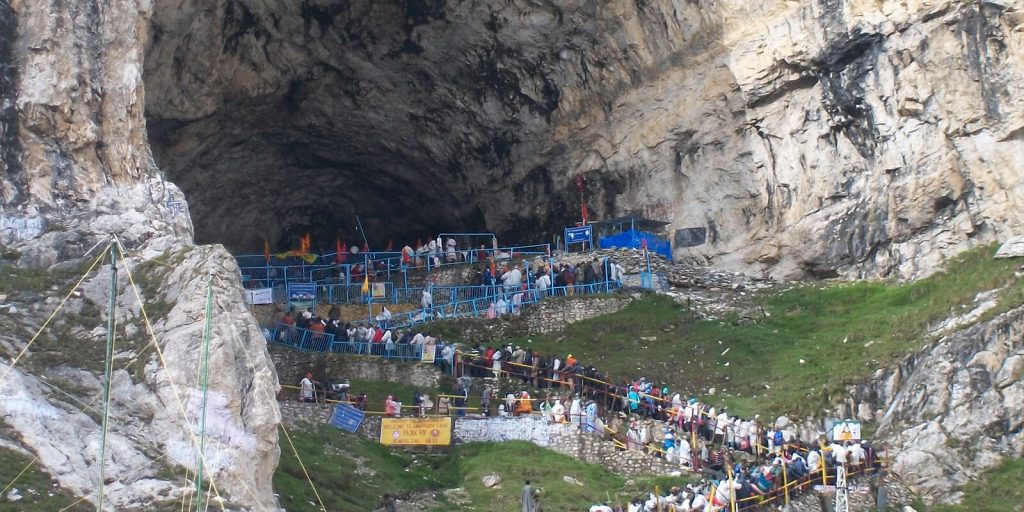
(73, 123)
(75, 167)
(825, 138)
(51, 399)
(952, 410)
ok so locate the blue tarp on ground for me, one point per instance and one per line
(631, 239)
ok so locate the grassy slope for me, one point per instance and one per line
(39, 490)
(341, 489)
(843, 332)
(999, 491)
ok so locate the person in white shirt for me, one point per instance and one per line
(427, 299)
(575, 409)
(501, 307)
(306, 388)
(698, 503)
(839, 453)
(496, 369)
(558, 412)
(684, 451)
(512, 279)
(517, 303)
(543, 283)
(855, 453)
(450, 251)
(813, 461)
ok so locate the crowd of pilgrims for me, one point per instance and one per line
(740, 459)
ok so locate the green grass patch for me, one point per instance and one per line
(518, 461)
(21, 279)
(337, 463)
(842, 331)
(350, 473)
(38, 490)
(998, 491)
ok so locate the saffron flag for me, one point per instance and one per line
(266, 251)
(366, 284)
(301, 252)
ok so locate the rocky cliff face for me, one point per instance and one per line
(808, 138)
(953, 410)
(76, 167)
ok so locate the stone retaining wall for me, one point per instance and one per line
(564, 438)
(301, 415)
(293, 364)
(547, 316)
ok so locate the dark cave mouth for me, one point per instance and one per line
(271, 145)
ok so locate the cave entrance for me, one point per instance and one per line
(278, 119)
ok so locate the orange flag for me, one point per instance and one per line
(266, 250)
(339, 251)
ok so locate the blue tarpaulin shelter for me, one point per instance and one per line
(629, 233)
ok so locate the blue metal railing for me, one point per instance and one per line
(480, 306)
(312, 341)
(258, 272)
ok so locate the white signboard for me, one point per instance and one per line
(259, 296)
(845, 430)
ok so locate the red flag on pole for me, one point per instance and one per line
(366, 247)
(338, 251)
(343, 253)
(585, 214)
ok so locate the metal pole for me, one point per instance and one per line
(108, 367)
(206, 379)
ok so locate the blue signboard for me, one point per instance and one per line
(578, 235)
(301, 296)
(347, 418)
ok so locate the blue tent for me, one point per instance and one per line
(632, 239)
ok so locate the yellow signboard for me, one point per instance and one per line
(416, 431)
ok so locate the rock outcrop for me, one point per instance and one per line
(953, 410)
(806, 138)
(51, 399)
(76, 168)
